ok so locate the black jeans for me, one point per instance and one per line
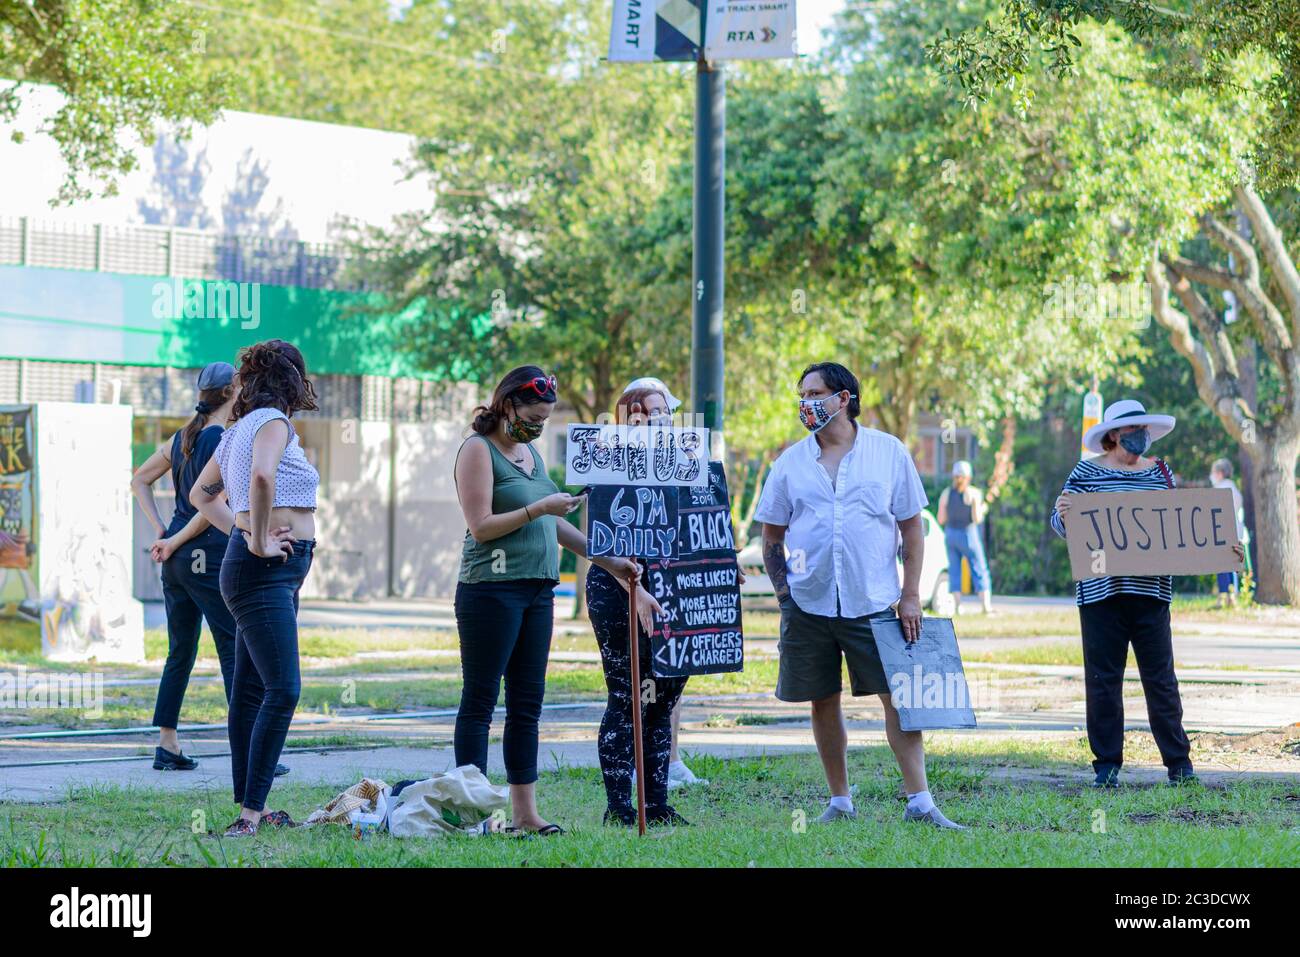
(262, 594)
(191, 582)
(1109, 626)
(505, 631)
(607, 608)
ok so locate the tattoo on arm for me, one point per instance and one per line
(774, 563)
(216, 488)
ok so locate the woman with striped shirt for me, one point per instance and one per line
(1121, 609)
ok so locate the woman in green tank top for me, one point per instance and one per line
(510, 563)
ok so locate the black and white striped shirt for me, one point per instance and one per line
(1088, 477)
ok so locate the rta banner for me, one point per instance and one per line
(1176, 532)
(644, 31)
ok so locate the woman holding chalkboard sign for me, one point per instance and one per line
(1117, 610)
(607, 608)
(505, 597)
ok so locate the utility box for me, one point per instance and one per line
(65, 529)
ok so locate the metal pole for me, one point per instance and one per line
(707, 288)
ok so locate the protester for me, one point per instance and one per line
(1118, 610)
(832, 510)
(961, 515)
(190, 577)
(514, 516)
(1221, 477)
(607, 607)
(679, 775)
(271, 500)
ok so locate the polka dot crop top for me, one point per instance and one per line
(295, 478)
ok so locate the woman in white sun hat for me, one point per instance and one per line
(1121, 609)
(679, 775)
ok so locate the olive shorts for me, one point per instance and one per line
(812, 647)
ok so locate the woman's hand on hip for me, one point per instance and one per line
(278, 544)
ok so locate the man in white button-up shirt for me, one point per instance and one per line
(833, 509)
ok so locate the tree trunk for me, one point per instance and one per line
(1277, 572)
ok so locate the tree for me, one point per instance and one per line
(121, 65)
(1269, 431)
(1199, 45)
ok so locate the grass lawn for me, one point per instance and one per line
(757, 812)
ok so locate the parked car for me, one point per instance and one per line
(934, 569)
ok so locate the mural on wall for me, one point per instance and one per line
(19, 596)
(83, 470)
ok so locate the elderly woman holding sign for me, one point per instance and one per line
(505, 598)
(607, 606)
(1117, 610)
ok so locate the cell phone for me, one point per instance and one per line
(585, 490)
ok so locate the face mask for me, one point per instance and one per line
(1136, 443)
(813, 414)
(522, 431)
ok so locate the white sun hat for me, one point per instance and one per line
(1124, 413)
(650, 382)
(961, 467)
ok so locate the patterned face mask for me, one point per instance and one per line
(520, 430)
(813, 414)
(1137, 442)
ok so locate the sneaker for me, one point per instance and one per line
(620, 816)
(680, 776)
(1107, 777)
(276, 819)
(933, 816)
(665, 816)
(1184, 775)
(164, 760)
(832, 813)
(241, 828)
(281, 770)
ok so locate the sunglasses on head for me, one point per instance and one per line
(542, 385)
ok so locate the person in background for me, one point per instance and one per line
(191, 575)
(270, 514)
(679, 775)
(1116, 611)
(510, 564)
(961, 511)
(1221, 477)
(833, 508)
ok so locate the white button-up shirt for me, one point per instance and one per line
(843, 538)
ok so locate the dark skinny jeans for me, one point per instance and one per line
(505, 632)
(191, 583)
(262, 594)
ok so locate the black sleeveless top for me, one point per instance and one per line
(185, 472)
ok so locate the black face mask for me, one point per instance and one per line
(1137, 442)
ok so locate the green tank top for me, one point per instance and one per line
(529, 551)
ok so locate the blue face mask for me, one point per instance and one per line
(1136, 443)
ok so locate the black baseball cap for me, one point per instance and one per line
(216, 375)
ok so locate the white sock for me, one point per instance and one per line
(842, 802)
(920, 802)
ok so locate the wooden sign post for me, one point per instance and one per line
(638, 751)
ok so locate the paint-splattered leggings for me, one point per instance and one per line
(607, 607)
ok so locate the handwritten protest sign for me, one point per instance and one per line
(927, 683)
(700, 592)
(637, 455)
(1175, 532)
(632, 521)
